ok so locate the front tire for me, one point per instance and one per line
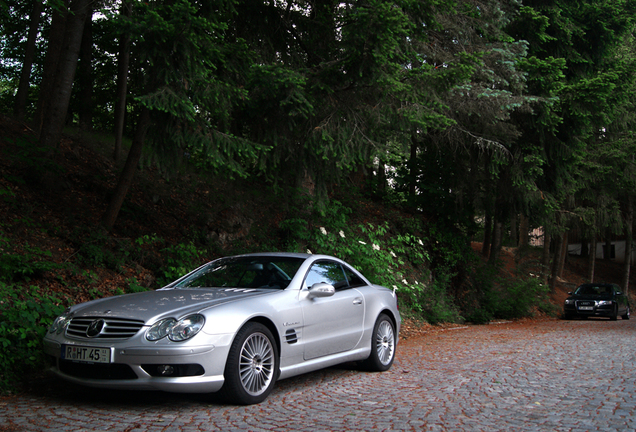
(382, 345)
(252, 365)
(627, 313)
(614, 314)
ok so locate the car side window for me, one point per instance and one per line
(354, 279)
(328, 272)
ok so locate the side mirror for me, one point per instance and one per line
(321, 289)
(619, 292)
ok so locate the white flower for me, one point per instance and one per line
(417, 283)
(341, 234)
(420, 242)
(393, 254)
(376, 247)
(395, 287)
(309, 252)
(323, 230)
(361, 242)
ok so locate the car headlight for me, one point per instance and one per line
(61, 322)
(569, 301)
(604, 302)
(177, 331)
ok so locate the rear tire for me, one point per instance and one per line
(252, 366)
(383, 342)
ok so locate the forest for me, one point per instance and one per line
(391, 133)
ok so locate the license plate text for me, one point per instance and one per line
(86, 354)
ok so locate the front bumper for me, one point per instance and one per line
(181, 369)
(596, 311)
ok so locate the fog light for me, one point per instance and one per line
(165, 370)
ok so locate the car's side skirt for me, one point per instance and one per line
(324, 362)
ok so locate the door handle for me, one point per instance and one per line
(357, 301)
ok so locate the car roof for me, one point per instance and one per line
(277, 254)
(601, 284)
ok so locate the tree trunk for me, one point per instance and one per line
(592, 259)
(123, 59)
(514, 242)
(485, 247)
(413, 171)
(495, 248)
(21, 97)
(564, 253)
(585, 250)
(56, 109)
(85, 77)
(524, 228)
(126, 177)
(56, 39)
(629, 223)
(545, 260)
(556, 263)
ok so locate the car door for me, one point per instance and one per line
(621, 300)
(331, 324)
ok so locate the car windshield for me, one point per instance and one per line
(594, 290)
(244, 272)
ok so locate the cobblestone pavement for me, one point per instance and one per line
(546, 376)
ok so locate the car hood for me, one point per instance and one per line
(164, 302)
(591, 297)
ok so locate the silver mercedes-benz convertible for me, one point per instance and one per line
(235, 325)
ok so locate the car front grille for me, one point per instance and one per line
(585, 303)
(109, 328)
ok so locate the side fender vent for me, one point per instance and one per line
(291, 337)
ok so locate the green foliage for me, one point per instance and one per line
(134, 286)
(493, 297)
(37, 160)
(398, 261)
(195, 74)
(178, 260)
(516, 298)
(98, 249)
(31, 262)
(25, 315)
(97, 252)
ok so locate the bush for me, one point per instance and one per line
(399, 261)
(25, 316)
(516, 298)
(16, 267)
(491, 297)
(179, 260)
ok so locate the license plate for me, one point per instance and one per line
(86, 354)
(586, 307)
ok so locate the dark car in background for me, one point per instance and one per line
(596, 300)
